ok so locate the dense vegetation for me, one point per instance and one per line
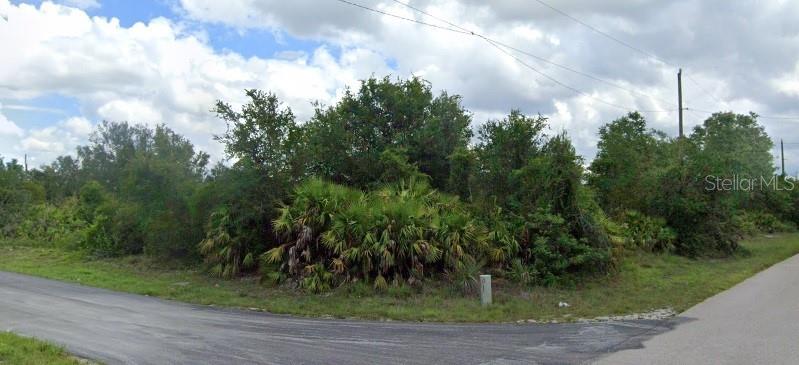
(391, 187)
(642, 282)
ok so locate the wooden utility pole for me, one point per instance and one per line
(679, 97)
(26, 162)
(782, 157)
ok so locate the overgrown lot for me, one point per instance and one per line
(643, 282)
(396, 190)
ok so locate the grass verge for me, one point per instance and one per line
(644, 282)
(18, 350)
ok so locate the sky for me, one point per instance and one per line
(67, 65)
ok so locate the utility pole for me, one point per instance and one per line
(679, 97)
(782, 157)
(26, 162)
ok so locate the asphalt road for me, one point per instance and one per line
(755, 322)
(119, 328)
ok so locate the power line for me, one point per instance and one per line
(400, 17)
(653, 56)
(434, 17)
(606, 35)
(580, 92)
(699, 117)
(706, 91)
(499, 46)
(628, 45)
(462, 30)
(606, 82)
(542, 59)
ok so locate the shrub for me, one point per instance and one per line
(91, 196)
(459, 182)
(400, 233)
(246, 199)
(539, 248)
(641, 169)
(116, 230)
(465, 275)
(521, 273)
(226, 252)
(55, 225)
(647, 233)
(550, 221)
(170, 234)
(701, 219)
(750, 223)
(792, 206)
(395, 166)
(15, 197)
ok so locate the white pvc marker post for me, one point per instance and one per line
(485, 290)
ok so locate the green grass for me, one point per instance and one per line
(644, 282)
(17, 350)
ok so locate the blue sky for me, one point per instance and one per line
(168, 61)
(246, 42)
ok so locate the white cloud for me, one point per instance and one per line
(78, 126)
(157, 72)
(134, 111)
(9, 128)
(490, 82)
(308, 18)
(788, 83)
(32, 108)
(44, 141)
(43, 145)
(711, 47)
(10, 135)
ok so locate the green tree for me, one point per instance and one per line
(268, 149)
(61, 179)
(558, 223)
(732, 145)
(624, 172)
(14, 197)
(91, 196)
(346, 141)
(262, 135)
(443, 133)
(505, 146)
(149, 176)
(462, 164)
(111, 147)
(238, 208)
(701, 218)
